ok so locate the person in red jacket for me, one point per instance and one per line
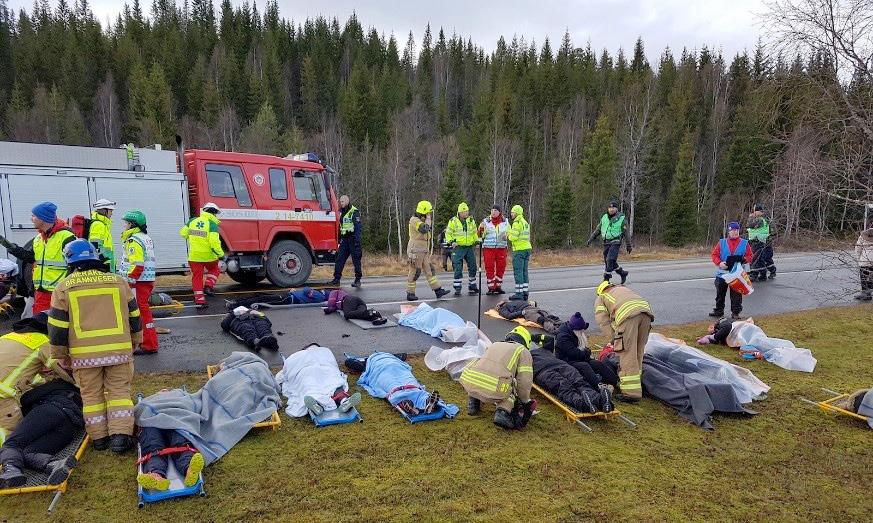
(727, 253)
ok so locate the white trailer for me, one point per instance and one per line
(76, 177)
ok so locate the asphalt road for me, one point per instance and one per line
(678, 291)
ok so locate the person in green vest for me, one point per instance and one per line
(613, 229)
(463, 235)
(100, 231)
(519, 238)
(758, 229)
(349, 241)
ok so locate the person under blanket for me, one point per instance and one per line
(353, 308)
(567, 384)
(386, 376)
(512, 309)
(859, 402)
(251, 327)
(52, 416)
(298, 297)
(158, 447)
(311, 381)
(570, 344)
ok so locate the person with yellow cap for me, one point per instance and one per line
(626, 319)
(519, 237)
(503, 376)
(463, 235)
(418, 251)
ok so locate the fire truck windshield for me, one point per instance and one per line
(310, 186)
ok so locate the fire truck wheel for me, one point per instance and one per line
(288, 264)
(247, 277)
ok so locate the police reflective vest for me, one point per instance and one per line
(611, 226)
(49, 267)
(519, 234)
(457, 232)
(138, 256)
(494, 236)
(100, 234)
(724, 252)
(204, 243)
(761, 233)
(347, 224)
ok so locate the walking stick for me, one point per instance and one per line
(479, 309)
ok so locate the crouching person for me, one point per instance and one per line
(503, 376)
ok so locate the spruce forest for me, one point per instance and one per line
(686, 139)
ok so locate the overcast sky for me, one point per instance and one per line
(728, 25)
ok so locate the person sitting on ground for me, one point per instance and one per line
(503, 376)
(570, 344)
(386, 376)
(250, 327)
(568, 385)
(52, 416)
(311, 381)
(158, 447)
(353, 308)
(306, 295)
(512, 309)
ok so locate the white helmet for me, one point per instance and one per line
(103, 203)
(211, 205)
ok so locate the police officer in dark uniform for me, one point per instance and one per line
(349, 241)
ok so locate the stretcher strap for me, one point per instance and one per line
(398, 389)
(165, 452)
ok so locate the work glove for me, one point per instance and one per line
(629, 248)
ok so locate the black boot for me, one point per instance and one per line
(334, 282)
(209, 291)
(503, 419)
(590, 400)
(607, 276)
(457, 291)
(716, 313)
(623, 273)
(606, 398)
(59, 470)
(440, 292)
(356, 283)
(473, 406)
(473, 290)
(411, 296)
(120, 443)
(12, 477)
(100, 443)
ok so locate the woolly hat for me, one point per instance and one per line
(577, 322)
(733, 226)
(497, 207)
(46, 211)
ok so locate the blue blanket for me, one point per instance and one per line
(389, 378)
(432, 321)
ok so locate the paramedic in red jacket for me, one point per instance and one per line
(727, 253)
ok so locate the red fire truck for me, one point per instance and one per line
(279, 215)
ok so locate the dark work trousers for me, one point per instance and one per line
(721, 290)
(45, 430)
(596, 372)
(610, 257)
(348, 246)
(154, 440)
(762, 260)
(866, 278)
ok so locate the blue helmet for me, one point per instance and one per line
(79, 251)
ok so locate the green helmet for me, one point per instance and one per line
(135, 217)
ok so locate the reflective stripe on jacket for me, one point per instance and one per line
(204, 242)
(50, 267)
(138, 257)
(494, 236)
(519, 234)
(100, 234)
(504, 371)
(419, 242)
(616, 305)
(458, 233)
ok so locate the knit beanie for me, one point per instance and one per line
(46, 211)
(577, 323)
(734, 226)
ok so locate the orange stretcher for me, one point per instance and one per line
(577, 417)
(828, 405)
(492, 313)
(273, 422)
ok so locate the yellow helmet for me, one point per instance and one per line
(424, 207)
(522, 333)
(602, 287)
(463, 207)
(517, 210)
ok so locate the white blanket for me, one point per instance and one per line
(310, 372)
(777, 351)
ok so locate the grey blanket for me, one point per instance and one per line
(694, 400)
(217, 416)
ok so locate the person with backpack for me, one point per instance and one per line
(46, 253)
(138, 266)
(204, 251)
(99, 231)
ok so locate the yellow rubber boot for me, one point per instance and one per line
(194, 469)
(153, 481)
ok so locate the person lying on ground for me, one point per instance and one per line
(503, 377)
(251, 327)
(570, 344)
(298, 297)
(353, 308)
(568, 385)
(158, 447)
(512, 309)
(312, 382)
(386, 376)
(859, 402)
(718, 332)
(52, 416)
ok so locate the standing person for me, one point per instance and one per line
(864, 255)
(727, 253)
(46, 254)
(350, 241)
(613, 228)
(100, 231)
(626, 319)
(138, 266)
(204, 251)
(93, 325)
(418, 251)
(758, 231)
(519, 237)
(463, 235)
(493, 233)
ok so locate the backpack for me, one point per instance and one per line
(81, 226)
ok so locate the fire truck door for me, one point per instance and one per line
(311, 198)
(239, 220)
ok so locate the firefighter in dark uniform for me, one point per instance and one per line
(350, 241)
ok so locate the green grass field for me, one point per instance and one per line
(790, 463)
